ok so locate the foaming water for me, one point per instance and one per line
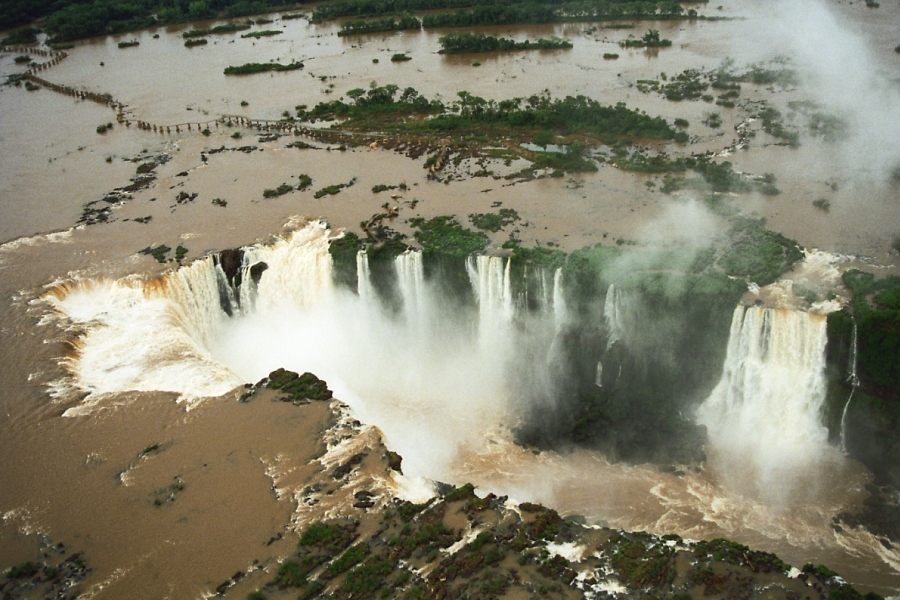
(764, 416)
(436, 379)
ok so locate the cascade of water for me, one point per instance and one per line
(560, 314)
(612, 313)
(490, 279)
(296, 272)
(598, 376)
(363, 278)
(764, 414)
(853, 379)
(411, 282)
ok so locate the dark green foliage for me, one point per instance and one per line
(610, 55)
(312, 590)
(773, 125)
(370, 26)
(281, 190)
(461, 493)
(262, 34)
(572, 160)
(457, 43)
(757, 253)
(159, 253)
(129, 44)
(303, 182)
(343, 257)
(368, 577)
(320, 533)
(444, 235)
(349, 558)
(218, 29)
(737, 554)
(23, 58)
(822, 204)
(651, 39)
(540, 256)
(494, 221)
(299, 387)
(180, 253)
(290, 574)
(400, 57)
(249, 68)
(26, 35)
(257, 595)
(332, 190)
(876, 306)
(407, 510)
(23, 571)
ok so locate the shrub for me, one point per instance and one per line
(400, 57)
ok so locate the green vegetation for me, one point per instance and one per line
(876, 307)
(298, 387)
(195, 42)
(249, 68)
(26, 35)
(332, 190)
(772, 124)
(262, 34)
(456, 43)
(354, 27)
(104, 128)
(400, 57)
(219, 202)
(494, 221)
(129, 44)
(757, 253)
(444, 235)
(651, 39)
(22, 58)
(610, 56)
(303, 182)
(352, 556)
(218, 29)
(281, 190)
(292, 16)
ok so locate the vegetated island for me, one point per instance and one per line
(250, 68)
(358, 26)
(489, 12)
(218, 29)
(458, 43)
(68, 20)
(262, 34)
(651, 39)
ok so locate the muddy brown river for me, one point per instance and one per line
(85, 481)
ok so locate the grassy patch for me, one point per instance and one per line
(445, 235)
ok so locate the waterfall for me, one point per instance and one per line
(490, 281)
(853, 379)
(764, 416)
(560, 314)
(612, 313)
(363, 278)
(411, 282)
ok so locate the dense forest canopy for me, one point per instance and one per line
(74, 19)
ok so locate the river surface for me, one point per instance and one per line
(79, 480)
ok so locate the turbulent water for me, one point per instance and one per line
(765, 414)
(439, 383)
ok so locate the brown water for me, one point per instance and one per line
(80, 480)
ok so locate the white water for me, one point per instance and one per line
(764, 416)
(560, 311)
(437, 400)
(490, 281)
(612, 313)
(853, 379)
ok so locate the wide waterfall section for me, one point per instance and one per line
(764, 418)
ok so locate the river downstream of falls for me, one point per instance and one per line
(443, 381)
